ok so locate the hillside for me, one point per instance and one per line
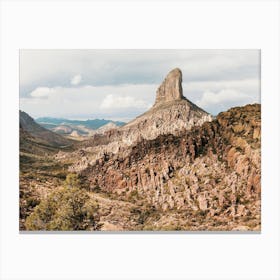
(39, 134)
(212, 170)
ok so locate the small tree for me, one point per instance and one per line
(65, 209)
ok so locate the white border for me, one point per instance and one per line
(157, 24)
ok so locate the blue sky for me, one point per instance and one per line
(121, 84)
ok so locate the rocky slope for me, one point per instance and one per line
(211, 173)
(30, 129)
(39, 173)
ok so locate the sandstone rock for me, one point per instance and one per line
(106, 226)
(171, 88)
(257, 133)
(237, 128)
(241, 228)
(240, 210)
(202, 202)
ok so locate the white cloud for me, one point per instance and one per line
(76, 80)
(225, 95)
(126, 101)
(222, 100)
(217, 96)
(245, 85)
(41, 92)
(105, 67)
(120, 102)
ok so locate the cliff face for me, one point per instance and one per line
(213, 169)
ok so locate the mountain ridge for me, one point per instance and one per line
(41, 134)
(90, 123)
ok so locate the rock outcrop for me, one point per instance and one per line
(171, 88)
(171, 113)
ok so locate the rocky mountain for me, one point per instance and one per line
(92, 124)
(32, 132)
(103, 129)
(171, 114)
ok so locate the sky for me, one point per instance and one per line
(122, 84)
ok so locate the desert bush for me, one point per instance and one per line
(65, 209)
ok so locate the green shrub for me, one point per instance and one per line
(65, 209)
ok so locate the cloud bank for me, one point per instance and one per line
(114, 102)
(121, 84)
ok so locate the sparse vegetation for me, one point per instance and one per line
(65, 209)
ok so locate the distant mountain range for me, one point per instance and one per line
(92, 124)
(76, 127)
(37, 139)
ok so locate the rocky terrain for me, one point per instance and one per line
(208, 170)
(173, 168)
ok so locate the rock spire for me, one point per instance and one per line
(171, 88)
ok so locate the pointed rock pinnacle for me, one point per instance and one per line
(171, 88)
